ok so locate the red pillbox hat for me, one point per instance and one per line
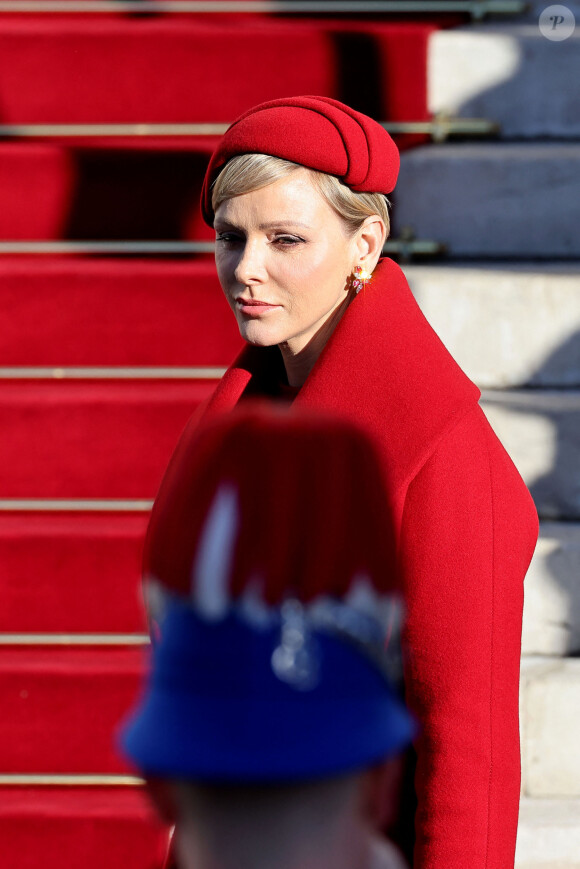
(317, 132)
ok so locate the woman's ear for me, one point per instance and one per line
(370, 239)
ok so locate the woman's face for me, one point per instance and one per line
(283, 259)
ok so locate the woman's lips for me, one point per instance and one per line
(254, 307)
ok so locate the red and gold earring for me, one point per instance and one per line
(360, 278)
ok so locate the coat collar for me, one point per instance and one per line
(383, 367)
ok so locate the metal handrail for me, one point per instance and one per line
(110, 372)
(438, 128)
(74, 505)
(72, 131)
(68, 780)
(476, 9)
(404, 246)
(147, 248)
(53, 639)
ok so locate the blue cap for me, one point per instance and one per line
(291, 697)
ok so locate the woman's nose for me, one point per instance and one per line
(251, 267)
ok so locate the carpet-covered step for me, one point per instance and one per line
(549, 708)
(552, 592)
(83, 439)
(510, 73)
(539, 429)
(176, 69)
(548, 834)
(79, 827)
(508, 324)
(53, 191)
(61, 707)
(71, 573)
(83, 312)
(483, 200)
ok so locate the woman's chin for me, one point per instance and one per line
(259, 337)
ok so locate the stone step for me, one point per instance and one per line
(510, 73)
(548, 834)
(534, 9)
(549, 714)
(490, 199)
(539, 429)
(507, 325)
(552, 592)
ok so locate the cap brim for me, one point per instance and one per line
(215, 710)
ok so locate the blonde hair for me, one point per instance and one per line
(248, 172)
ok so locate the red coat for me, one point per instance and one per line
(466, 527)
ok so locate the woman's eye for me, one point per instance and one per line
(287, 240)
(229, 238)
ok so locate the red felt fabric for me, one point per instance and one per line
(71, 572)
(316, 132)
(75, 439)
(114, 312)
(468, 485)
(74, 827)
(62, 707)
(261, 455)
(466, 527)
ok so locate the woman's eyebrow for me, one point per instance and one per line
(276, 224)
(273, 224)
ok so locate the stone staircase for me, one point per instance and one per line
(507, 305)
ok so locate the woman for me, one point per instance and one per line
(297, 238)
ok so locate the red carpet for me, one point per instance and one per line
(80, 439)
(84, 193)
(183, 70)
(60, 707)
(71, 573)
(78, 827)
(61, 312)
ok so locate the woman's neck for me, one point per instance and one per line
(299, 358)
